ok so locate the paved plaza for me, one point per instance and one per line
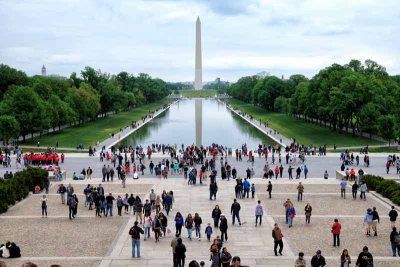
(93, 241)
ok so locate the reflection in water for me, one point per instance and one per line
(177, 126)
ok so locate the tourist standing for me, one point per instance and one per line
(393, 216)
(135, 232)
(269, 188)
(365, 258)
(213, 190)
(259, 212)
(354, 189)
(180, 251)
(208, 231)
(71, 207)
(336, 228)
(300, 190)
(120, 204)
(345, 259)
(308, 211)
(318, 260)
(343, 185)
(288, 203)
(44, 206)
(147, 222)
(277, 236)
(235, 209)
(109, 204)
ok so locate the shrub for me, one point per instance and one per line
(387, 188)
(18, 187)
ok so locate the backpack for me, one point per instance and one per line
(133, 231)
(44, 204)
(397, 239)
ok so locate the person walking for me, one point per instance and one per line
(246, 188)
(226, 257)
(354, 189)
(345, 259)
(291, 213)
(174, 242)
(307, 212)
(288, 203)
(305, 171)
(393, 216)
(213, 190)
(368, 222)
(277, 236)
(363, 190)
(300, 190)
(215, 214)
(336, 228)
(197, 225)
(180, 251)
(259, 212)
(318, 260)
(395, 242)
(189, 225)
(365, 258)
(343, 185)
(72, 204)
(178, 223)
(375, 221)
(269, 188)
(300, 261)
(61, 190)
(235, 209)
(120, 204)
(135, 232)
(223, 227)
(147, 223)
(44, 205)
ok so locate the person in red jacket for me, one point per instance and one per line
(336, 227)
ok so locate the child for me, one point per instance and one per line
(253, 190)
(209, 231)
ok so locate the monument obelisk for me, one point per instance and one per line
(198, 79)
(198, 85)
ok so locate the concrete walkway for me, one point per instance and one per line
(278, 138)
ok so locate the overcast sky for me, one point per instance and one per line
(158, 37)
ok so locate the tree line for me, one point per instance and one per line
(357, 97)
(36, 104)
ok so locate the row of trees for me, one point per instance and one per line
(354, 97)
(35, 104)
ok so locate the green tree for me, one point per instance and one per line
(387, 127)
(9, 127)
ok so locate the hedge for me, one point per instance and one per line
(18, 187)
(387, 188)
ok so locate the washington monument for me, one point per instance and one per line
(198, 79)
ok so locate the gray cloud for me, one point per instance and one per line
(239, 37)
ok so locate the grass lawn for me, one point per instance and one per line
(304, 132)
(89, 133)
(197, 93)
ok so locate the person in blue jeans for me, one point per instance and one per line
(109, 204)
(235, 208)
(135, 232)
(291, 213)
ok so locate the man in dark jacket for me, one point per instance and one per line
(135, 232)
(180, 251)
(213, 190)
(235, 208)
(365, 258)
(223, 227)
(318, 260)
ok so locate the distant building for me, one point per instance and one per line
(43, 71)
